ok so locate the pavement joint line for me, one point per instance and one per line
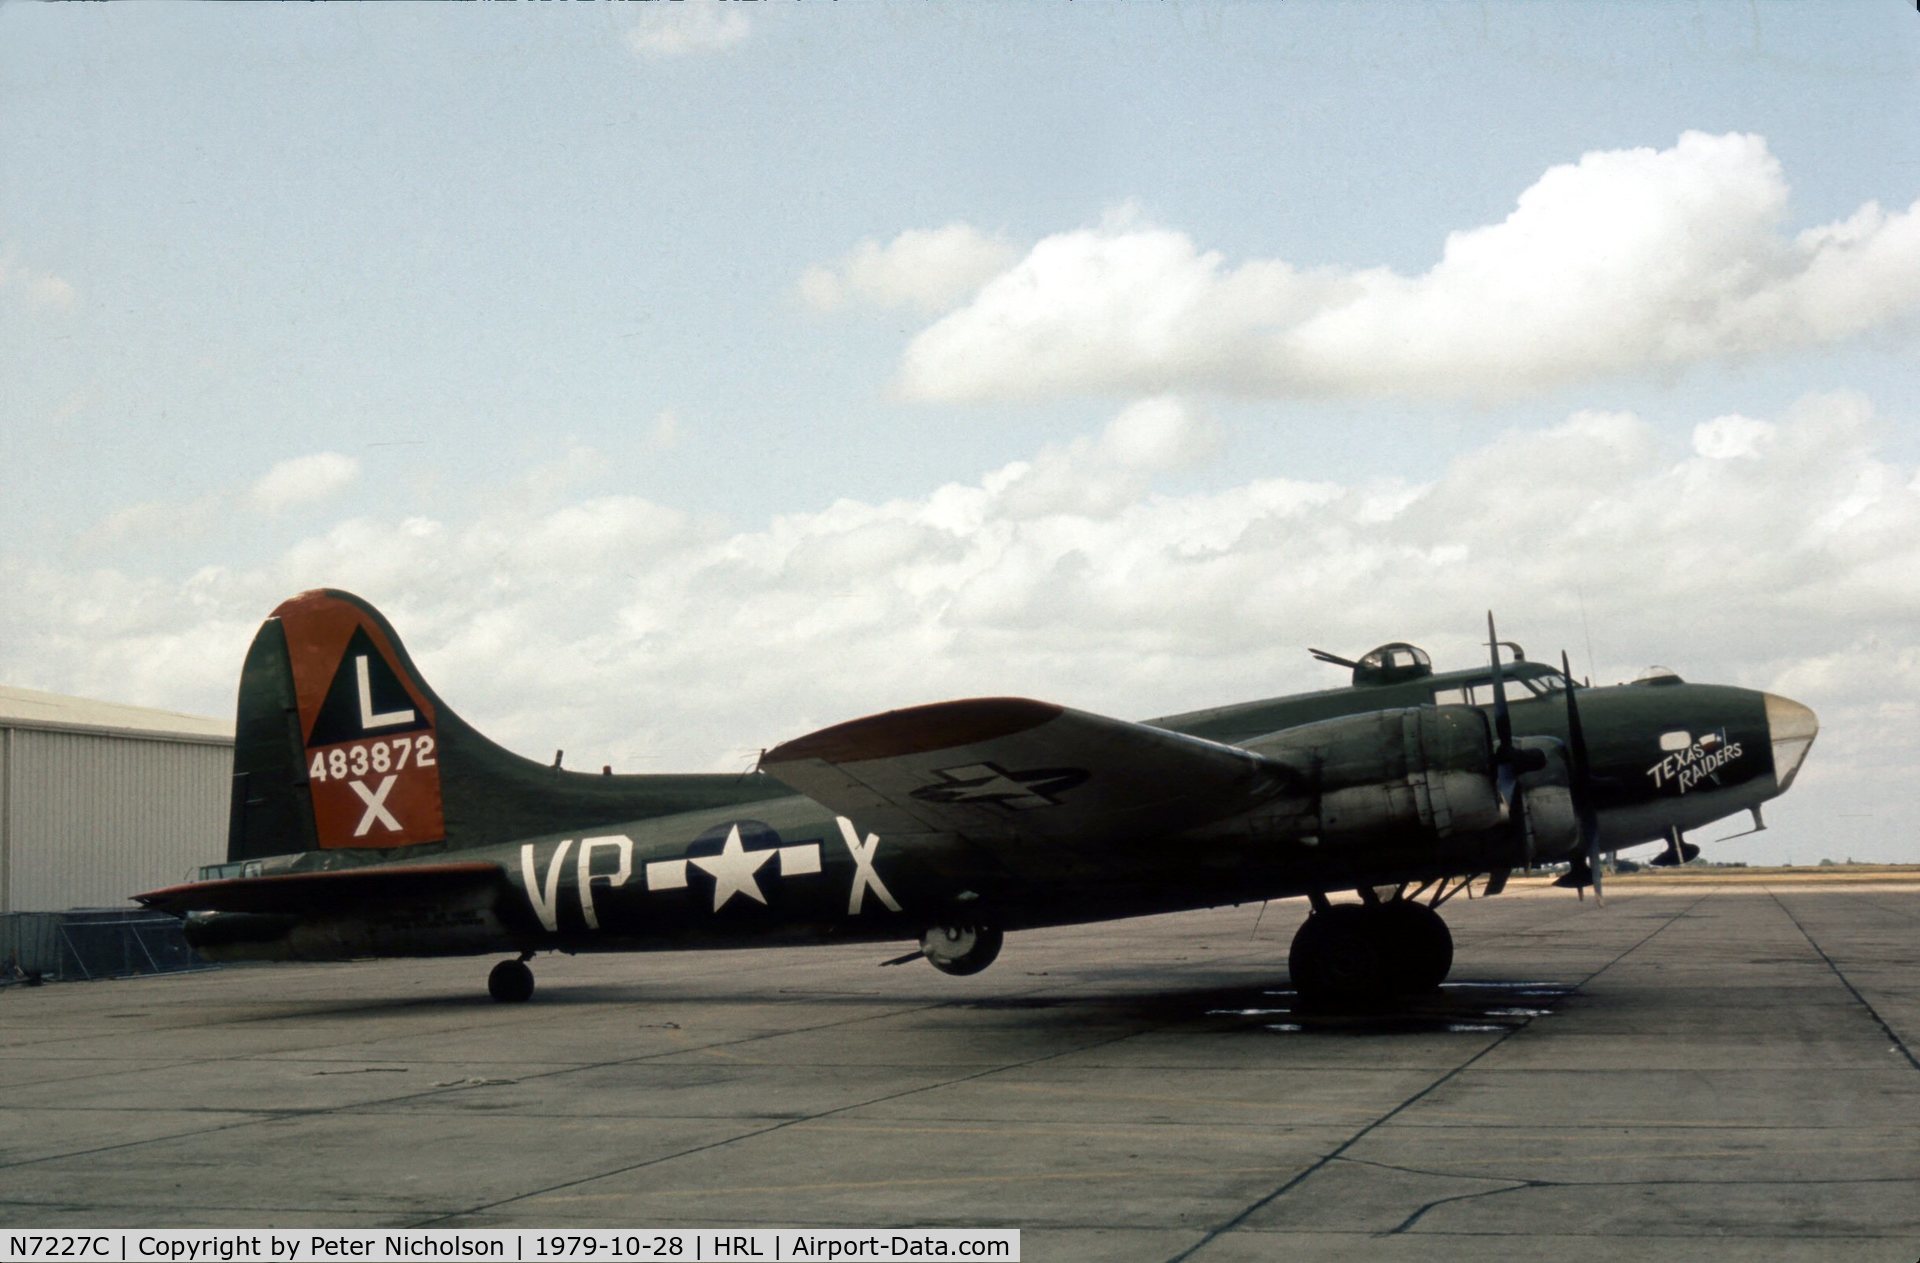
(1407, 1224)
(1875, 903)
(222, 1207)
(1517, 1184)
(1417, 1097)
(261, 1117)
(1663, 1124)
(748, 1135)
(1846, 982)
(982, 1073)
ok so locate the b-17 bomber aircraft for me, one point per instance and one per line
(369, 819)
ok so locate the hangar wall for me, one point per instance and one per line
(99, 801)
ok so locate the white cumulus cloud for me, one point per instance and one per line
(1731, 437)
(1624, 259)
(677, 28)
(1776, 552)
(926, 269)
(303, 480)
(42, 291)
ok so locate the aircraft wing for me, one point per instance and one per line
(326, 891)
(1006, 769)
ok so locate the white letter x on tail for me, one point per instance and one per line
(376, 802)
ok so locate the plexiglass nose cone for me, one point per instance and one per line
(1791, 727)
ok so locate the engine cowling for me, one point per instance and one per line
(1424, 775)
(1552, 826)
(1422, 769)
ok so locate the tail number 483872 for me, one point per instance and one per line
(365, 758)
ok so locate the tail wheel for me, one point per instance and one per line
(511, 982)
(961, 949)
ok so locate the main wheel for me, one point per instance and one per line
(511, 982)
(1419, 947)
(1339, 956)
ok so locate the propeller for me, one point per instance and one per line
(1510, 761)
(1580, 783)
(1506, 759)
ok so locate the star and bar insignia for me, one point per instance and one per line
(997, 786)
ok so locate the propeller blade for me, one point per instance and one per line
(1580, 782)
(1576, 736)
(1579, 766)
(1506, 761)
(1502, 717)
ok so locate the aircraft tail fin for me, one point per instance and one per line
(340, 744)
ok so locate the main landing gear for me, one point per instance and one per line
(1368, 952)
(511, 982)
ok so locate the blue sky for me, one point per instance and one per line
(501, 315)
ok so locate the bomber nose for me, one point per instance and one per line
(1791, 727)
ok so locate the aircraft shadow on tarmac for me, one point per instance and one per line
(1455, 1008)
(1483, 1007)
(1467, 1007)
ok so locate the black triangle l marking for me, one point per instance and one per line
(342, 716)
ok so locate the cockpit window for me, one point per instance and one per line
(1517, 691)
(1481, 694)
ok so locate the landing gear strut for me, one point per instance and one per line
(511, 982)
(1368, 952)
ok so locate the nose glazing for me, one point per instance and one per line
(1791, 728)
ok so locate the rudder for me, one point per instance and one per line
(336, 740)
(340, 744)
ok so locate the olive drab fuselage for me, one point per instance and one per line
(392, 827)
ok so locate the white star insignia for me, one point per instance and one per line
(733, 869)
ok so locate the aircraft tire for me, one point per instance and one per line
(1339, 956)
(511, 982)
(1419, 946)
(961, 949)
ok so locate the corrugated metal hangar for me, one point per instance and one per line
(100, 801)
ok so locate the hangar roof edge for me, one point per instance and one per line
(30, 708)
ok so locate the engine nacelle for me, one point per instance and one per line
(1418, 785)
(1553, 827)
(1422, 770)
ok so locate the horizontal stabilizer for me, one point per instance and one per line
(316, 893)
(1010, 769)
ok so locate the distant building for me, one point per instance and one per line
(100, 801)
